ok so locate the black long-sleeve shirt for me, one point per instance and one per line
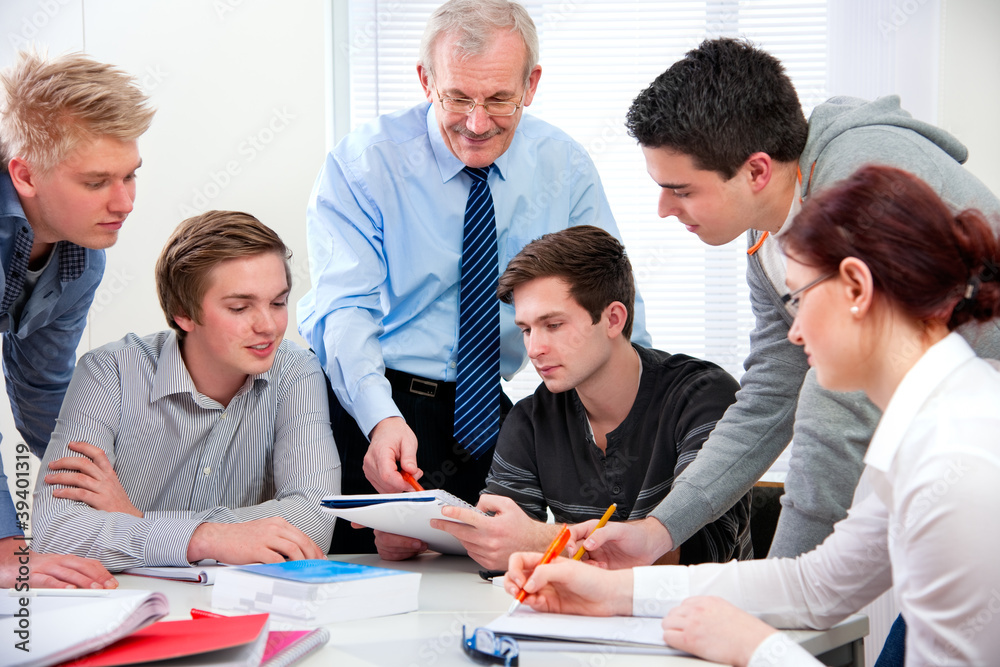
(546, 455)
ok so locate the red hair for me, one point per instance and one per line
(928, 261)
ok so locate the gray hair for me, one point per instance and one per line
(475, 22)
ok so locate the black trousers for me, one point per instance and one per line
(445, 463)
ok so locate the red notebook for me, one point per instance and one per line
(166, 640)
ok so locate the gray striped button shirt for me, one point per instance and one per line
(183, 458)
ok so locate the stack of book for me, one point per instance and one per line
(315, 592)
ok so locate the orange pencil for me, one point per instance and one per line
(600, 524)
(554, 550)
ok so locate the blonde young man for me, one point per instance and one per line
(209, 440)
(68, 137)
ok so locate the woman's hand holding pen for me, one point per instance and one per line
(566, 586)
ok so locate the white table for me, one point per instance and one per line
(452, 595)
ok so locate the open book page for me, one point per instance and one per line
(65, 627)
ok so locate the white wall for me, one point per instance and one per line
(239, 88)
(239, 91)
(970, 82)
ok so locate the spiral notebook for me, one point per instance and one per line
(406, 514)
(203, 572)
(286, 647)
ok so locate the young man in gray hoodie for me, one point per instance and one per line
(725, 138)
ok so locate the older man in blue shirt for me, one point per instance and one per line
(68, 134)
(388, 234)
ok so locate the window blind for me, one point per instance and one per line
(596, 56)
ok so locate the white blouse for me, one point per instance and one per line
(931, 527)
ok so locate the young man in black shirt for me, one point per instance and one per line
(612, 421)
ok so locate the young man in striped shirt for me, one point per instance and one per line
(210, 440)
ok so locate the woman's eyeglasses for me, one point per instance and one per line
(791, 300)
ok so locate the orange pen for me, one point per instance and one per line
(411, 481)
(554, 550)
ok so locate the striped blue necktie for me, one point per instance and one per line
(477, 394)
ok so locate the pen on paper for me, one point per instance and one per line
(554, 549)
(600, 524)
(60, 592)
(411, 480)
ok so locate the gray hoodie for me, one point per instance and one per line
(778, 392)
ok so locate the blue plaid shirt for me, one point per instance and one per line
(39, 349)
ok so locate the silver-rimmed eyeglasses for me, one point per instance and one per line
(467, 106)
(792, 299)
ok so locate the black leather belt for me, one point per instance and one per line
(414, 384)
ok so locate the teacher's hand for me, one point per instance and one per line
(391, 441)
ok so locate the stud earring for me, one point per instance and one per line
(855, 310)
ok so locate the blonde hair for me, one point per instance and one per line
(197, 246)
(50, 106)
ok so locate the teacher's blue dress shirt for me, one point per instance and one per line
(39, 348)
(384, 232)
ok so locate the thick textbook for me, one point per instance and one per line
(406, 514)
(316, 591)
